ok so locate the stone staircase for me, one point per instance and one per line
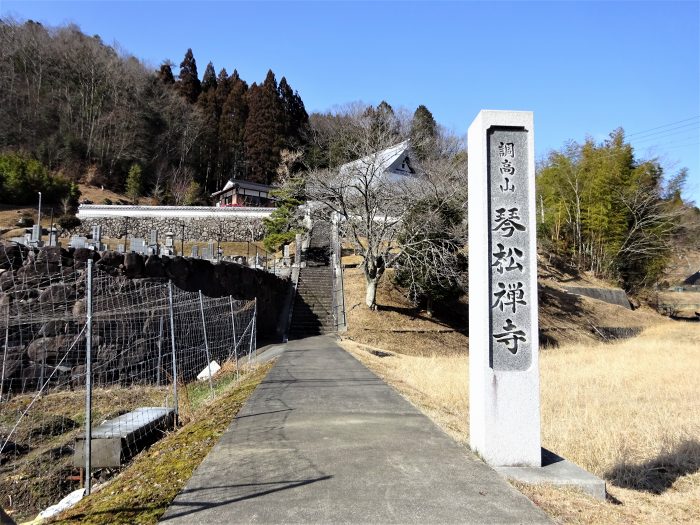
(313, 303)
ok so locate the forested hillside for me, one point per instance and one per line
(608, 212)
(90, 112)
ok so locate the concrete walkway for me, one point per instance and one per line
(324, 440)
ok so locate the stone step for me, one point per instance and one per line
(315, 313)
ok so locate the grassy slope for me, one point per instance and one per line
(142, 493)
(627, 411)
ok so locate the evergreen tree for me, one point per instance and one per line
(232, 128)
(165, 73)
(189, 84)
(208, 143)
(134, 183)
(282, 226)
(296, 119)
(383, 122)
(209, 78)
(423, 132)
(223, 87)
(264, 131)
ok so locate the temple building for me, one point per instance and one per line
(243, 193)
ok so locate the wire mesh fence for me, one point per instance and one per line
(95, 367)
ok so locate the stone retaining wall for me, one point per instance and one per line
(609, 295)
(26, 276)
(231, 228)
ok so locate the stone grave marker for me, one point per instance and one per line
(138, 245)
(96, 234)
(77, 242)
(503, 324)
(195, 251)
(120, 248)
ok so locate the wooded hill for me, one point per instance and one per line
(90, 111)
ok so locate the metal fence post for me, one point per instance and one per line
(233, 326)
(160, 351)
(255, 328)
(172, 344)
(88, 382)
(4, 355)
(206, 343)
(250, 339)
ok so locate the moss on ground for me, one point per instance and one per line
(143, 492)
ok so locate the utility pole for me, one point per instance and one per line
(51, 230)
(39, 217)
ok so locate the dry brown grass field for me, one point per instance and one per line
(628, 411)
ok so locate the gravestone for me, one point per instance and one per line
(153, 238)
(77, 242)
(36, 233)
(211, 250)
(195, 251)
(503, 325)
(138, 245)
(120, 248)
(96, 234)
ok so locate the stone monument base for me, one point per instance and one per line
(558, 471)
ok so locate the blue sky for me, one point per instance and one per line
(584, 68)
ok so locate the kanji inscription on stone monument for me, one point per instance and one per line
(508, 246)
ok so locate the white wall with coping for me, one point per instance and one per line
(89, 211)
(504, 406)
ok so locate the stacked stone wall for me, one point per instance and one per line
(37, 341)
(196, 228)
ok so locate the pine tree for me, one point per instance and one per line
(189, 84)
(232, 128)
(264, 131)
(423, 132)
(283, 225)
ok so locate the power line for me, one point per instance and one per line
(666, 133)
(643, 132)
(668, 139)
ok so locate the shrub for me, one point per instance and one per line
(21, 177)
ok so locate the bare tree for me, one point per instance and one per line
(652, 225)
(370, 202)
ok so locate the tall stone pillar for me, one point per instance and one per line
(504, 383)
